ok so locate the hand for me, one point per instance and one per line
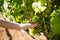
(34, 25)
(17, 26)
(41, 37)
(28, 25)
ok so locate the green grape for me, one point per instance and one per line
(31, 32)
(35, 19)
(35, 31)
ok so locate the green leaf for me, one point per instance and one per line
(55, 21)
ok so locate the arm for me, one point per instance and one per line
(7, 24)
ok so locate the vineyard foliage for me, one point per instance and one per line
(55, 21)
(46, 12)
